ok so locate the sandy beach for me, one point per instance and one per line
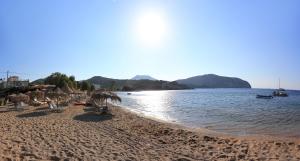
(75, 134)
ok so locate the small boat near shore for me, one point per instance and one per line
(264, 96)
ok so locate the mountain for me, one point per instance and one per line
(143, 83)
(134, 85)
(142, 77)
(38, 81)
(214, 81)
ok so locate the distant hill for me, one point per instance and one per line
(214, 81)
(142, 77)
(133, 85)
(145, 83)
(104, 82)
(38, 81)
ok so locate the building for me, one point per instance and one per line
(13, 81)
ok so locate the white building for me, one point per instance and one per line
(13, 81)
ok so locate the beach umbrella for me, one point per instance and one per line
(16, 98)
(57, 94)
(114, 97)
(67, 89)
(36, 94)
(101, 96)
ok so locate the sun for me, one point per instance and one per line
(151, 28)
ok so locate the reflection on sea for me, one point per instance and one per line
(235, 111)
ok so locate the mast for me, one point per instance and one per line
(279, 83)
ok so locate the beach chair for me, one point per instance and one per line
(35, 102)
(2, 101)
(20, 106)
(104, 110)
(47, 99)
(54, 108)
(51, 106)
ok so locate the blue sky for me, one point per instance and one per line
(256, 40)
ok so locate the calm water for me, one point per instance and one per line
(234, 111)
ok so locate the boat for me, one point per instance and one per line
(128, 93)
(264, 96)
(280, 92)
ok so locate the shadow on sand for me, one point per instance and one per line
(33, 114)
(93, 117)
(42, 108)
(10, 109)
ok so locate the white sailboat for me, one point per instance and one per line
(280, 92)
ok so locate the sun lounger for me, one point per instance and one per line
(100, 108)
(20, 106)
(53, 107)
(35, 102)
(47, 99)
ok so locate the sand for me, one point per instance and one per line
(35, 134)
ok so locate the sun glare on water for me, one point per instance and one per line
(151, 28)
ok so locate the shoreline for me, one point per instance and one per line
(208, 131)
(76, 134)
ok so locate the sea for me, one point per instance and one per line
(230, 111)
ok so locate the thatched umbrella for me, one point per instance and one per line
(18, 98)
(39, 95)
(67, 89)
(101, 96)
(57, 93)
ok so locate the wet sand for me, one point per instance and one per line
(75, 134)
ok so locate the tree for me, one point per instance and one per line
(92, 87)
(72, 78)
(112, 85)
(60, 80)
(85, 86)
(127, 88)
(73, 81)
